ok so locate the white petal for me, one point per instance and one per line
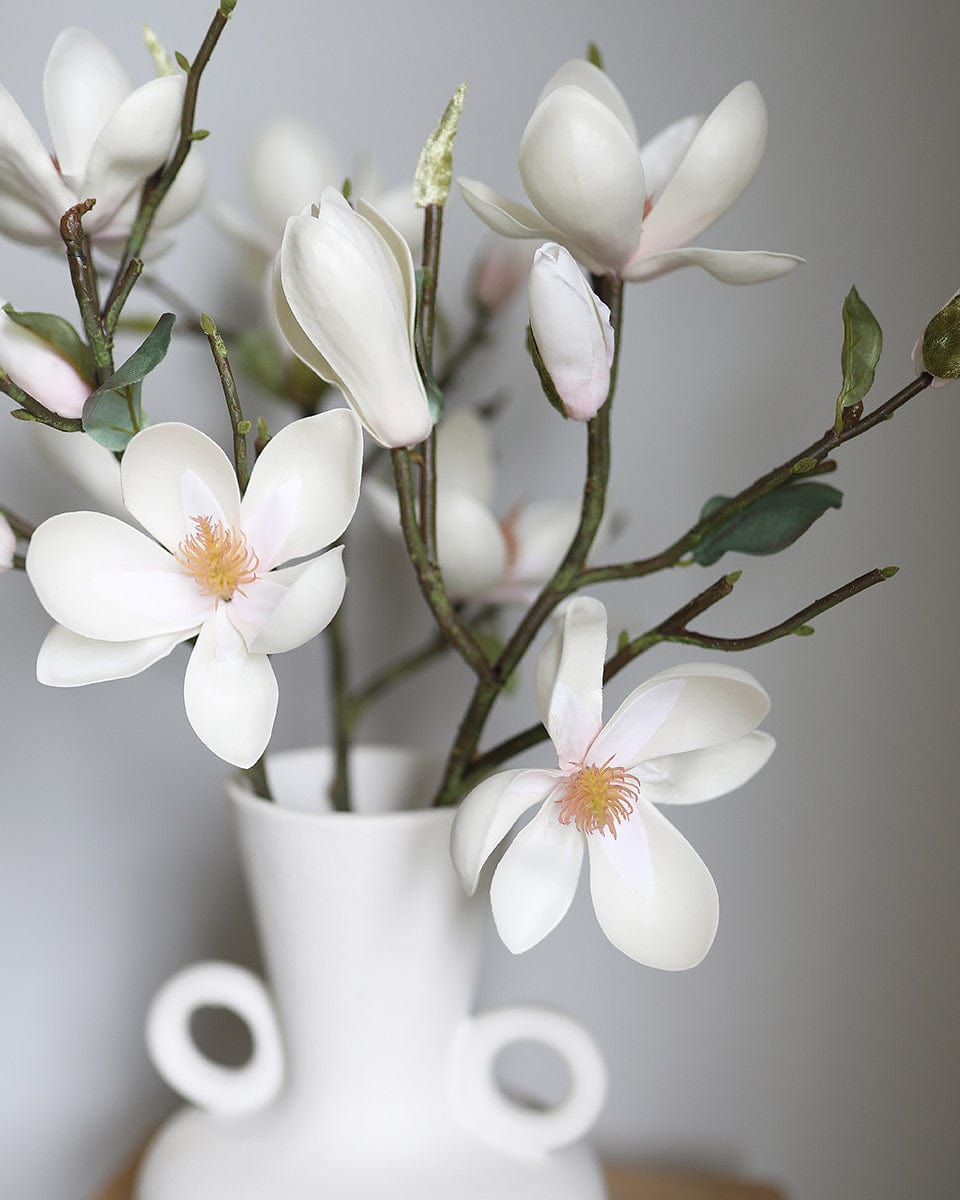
(653, 896)
(322, 454)
(68, 660)
(580, 73)
(504, 216)
(292, 332)
(721, 161)
(257, 249)
(308, 606)
(78, 564)
(569, 677)
(728, 266)
(381, 501)
(184, 195)
(535, 881)
(488, 813)
(465, 455)
(396, 206)
(288, 166)
(131, 146)
(663, 153)
(81, 460)
(705, 774)
(582, 171)
(152, 475)
(715, 704)
(40, 370)
(470, 545)
(83, 86)
(542, 533)
(231, 703)
(33, 197)
(8, 544)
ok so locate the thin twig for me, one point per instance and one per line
(396, 672)
(345, 715)
(84, 279)
(40, 412)
(128, 279)
(240, 427)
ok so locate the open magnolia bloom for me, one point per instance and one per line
(686, 735)
(81, 461)
(8, 544)
(288, 165)
(345, 298)
(622, 208)
(122, 602)
(108, 138)
(482, 557)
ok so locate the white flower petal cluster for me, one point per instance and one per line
(215, 572)
(686, 735)
(39, 369)
(572, 330)
(108, 137)
(8, 544)
(483, 557)
(627, 209)
(345, 299)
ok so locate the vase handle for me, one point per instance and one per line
(225, 1091)
(506, 1123)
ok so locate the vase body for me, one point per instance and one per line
(369, 1075)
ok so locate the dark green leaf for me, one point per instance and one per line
(941, 342)
(769, 524)
(60, 336)
(546, 383)
(862, 343)
(149, 354)
(112, 419)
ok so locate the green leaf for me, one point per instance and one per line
(149, 354)
(546, 383)
(60, 335)
(862, 343)
(941, 342)
(594, 56)
(769, 524)
(112, 419)
(182, 61)
(431, 180)
(199, 135)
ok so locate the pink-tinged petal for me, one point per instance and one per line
(488, 813)
(83, 86)
(231, 702)
(504, 216)
(323, 454)
(68, 660)
(250, 609)
(727, 266)
(168, 464)
(654, 898)
(582, 74)
(40, 370)
(131, 146)
(535, 881)
(721, 161)
(288, 165)
(569, 677)
(664, 152)
(465, 455)
(268, 527)
(705, 774)
(309, 603)
(582, 171)
(70, 561)
(33, 197)
(693, 706)
(471, 546)
(81, 460)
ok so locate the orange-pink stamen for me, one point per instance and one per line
(218, 559)
(598, 798)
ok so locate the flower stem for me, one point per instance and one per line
(345, 714)
(257, 775)
(432, 230)
(240, 427)
(84, 279)
(397, 671)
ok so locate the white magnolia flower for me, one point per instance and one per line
(483, 557)
(122, 601)
(82, 461)
(108, 137)
(686, 735)
(626, 209)
(917, 356)
(8, 544)
(39, 369)
(345, 298)
(572, 330)
(288, 165)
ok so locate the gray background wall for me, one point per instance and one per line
(818, 1043)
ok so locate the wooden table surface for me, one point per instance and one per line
(625, 1183)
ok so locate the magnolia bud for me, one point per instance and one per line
(39, 369)
(572, 330)
(937, 350)
(8, 544)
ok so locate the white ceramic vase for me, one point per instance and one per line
(369, 1077)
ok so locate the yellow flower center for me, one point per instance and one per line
(217, 558)
(598, 798)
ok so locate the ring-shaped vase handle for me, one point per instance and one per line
(500, 1120)
(225, 1091)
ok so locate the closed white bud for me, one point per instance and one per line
(572, 330)
(39, 369)
(8, 544)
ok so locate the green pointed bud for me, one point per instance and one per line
(623, 641)
(346, 188)
(244, 427)
(208, 325)
(889, 572)
(804, 631)
(803, 466)
(431, 182)
(941, 342)
(162, 62)
(199, 135)
(263, 430)
(862, 343)
(733, 578)
(21, 414)
(182, 61)
(594, 56)
(227, 7)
